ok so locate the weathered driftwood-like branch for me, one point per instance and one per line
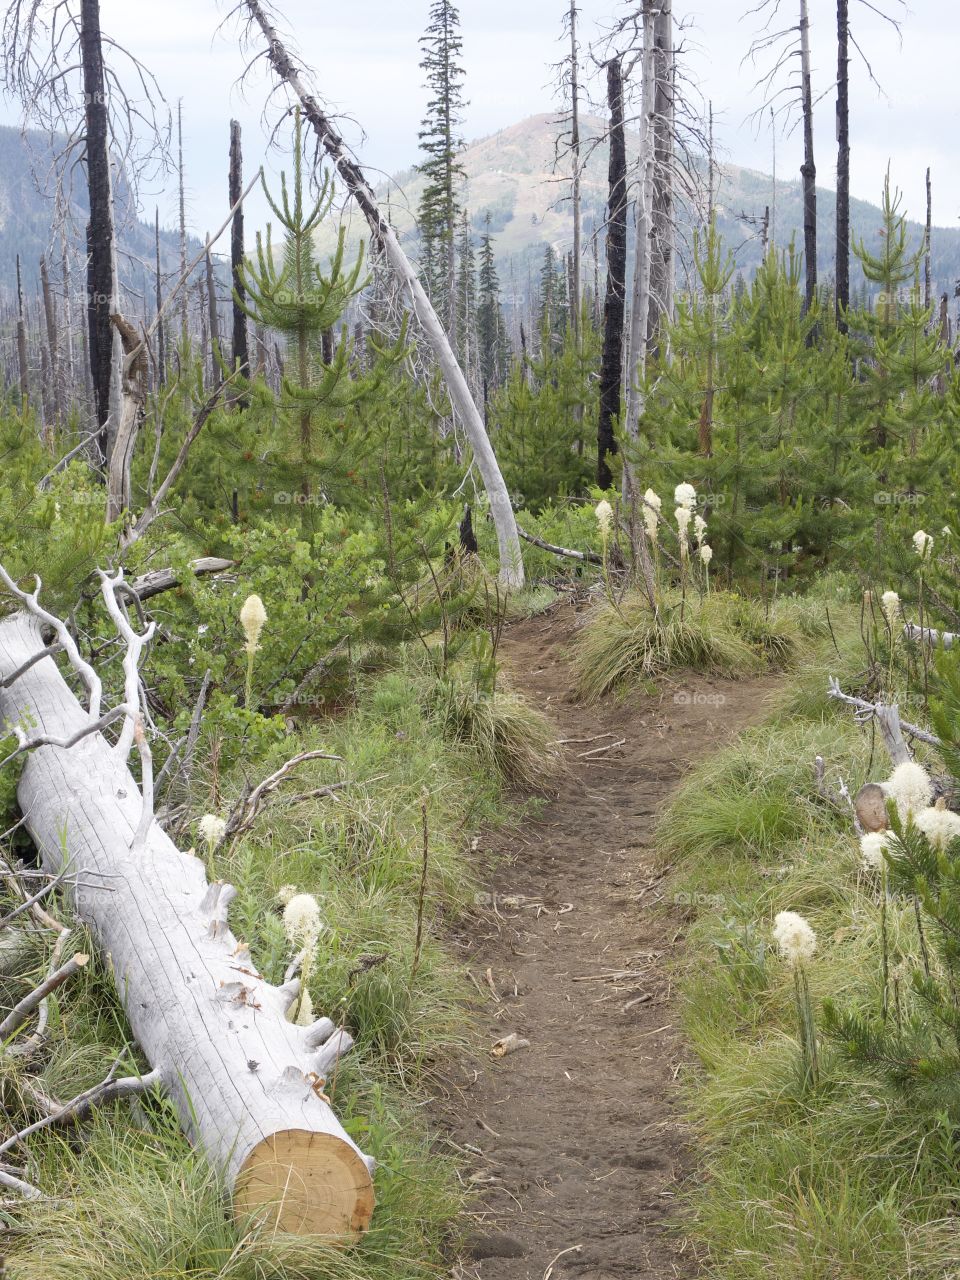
(242, 816)
(930, 635)
(72, 1112)
(159, 580)
(586, 557)
(384, 236)
(887, 716)
(22, 1010)
(245, 1082)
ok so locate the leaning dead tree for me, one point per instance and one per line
(247, 1085)
(295, 77)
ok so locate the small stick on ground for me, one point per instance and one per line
(562, 1254)
(22, 1010)
(422, 892)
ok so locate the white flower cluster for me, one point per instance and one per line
(910, 787)
(652, 506)
(604, 514)
(795, 939)
(302, 922)
(253, 616)
(212, 829)
(890, 603)
(923, 544)
(872, 846)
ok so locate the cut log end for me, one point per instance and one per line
(306, 1183)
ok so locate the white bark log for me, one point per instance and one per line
(930, 635)
(511, 562)
(243, 1080)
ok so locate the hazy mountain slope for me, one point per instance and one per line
(511, 175)
(26, 215)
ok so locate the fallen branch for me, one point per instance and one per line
(72, 1112)
(930, 635)
(243, 814)
(586, 557)
(22, 1010)
(158, 580)
(887, 716)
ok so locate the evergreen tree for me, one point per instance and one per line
(440, 140)
(292, 294)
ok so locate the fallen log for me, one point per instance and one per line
(930, 635)
(245, 1083)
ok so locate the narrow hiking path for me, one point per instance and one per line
(574, 1143)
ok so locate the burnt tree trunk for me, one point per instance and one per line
(808, 170)
(23, 367)
(101, 286)
(843, 164)
(611, 363)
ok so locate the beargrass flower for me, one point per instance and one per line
(923, 544)
(253, 615)
(890, 604)
(699, 529)
(301, 920)
(706, 553)
(604, 514)
(685, 495)
(795, 939)
(683, 517)
(212, 829)
(940, 825)
(910, 787)
(872, 846)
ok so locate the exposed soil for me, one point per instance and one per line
(574, 1143)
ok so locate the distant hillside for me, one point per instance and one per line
(511, 176)
(26, 215)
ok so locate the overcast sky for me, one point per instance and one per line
(366, 56)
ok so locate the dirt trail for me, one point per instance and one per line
(573, 1142)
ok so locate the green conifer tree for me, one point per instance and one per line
(440, 207)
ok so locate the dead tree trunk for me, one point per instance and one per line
(53, 344)
(101, 286)
(927, 261)
(664, 122)
(246, 1083)
(213, 317)
(611, 363)
(23, 369)
(576, 291)
(184, 311)
(843, 163)
(241, 354)
(161, 334)
(384, 237)
(808, 170)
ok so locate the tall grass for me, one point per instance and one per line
(844, 1181)
(721, 634)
